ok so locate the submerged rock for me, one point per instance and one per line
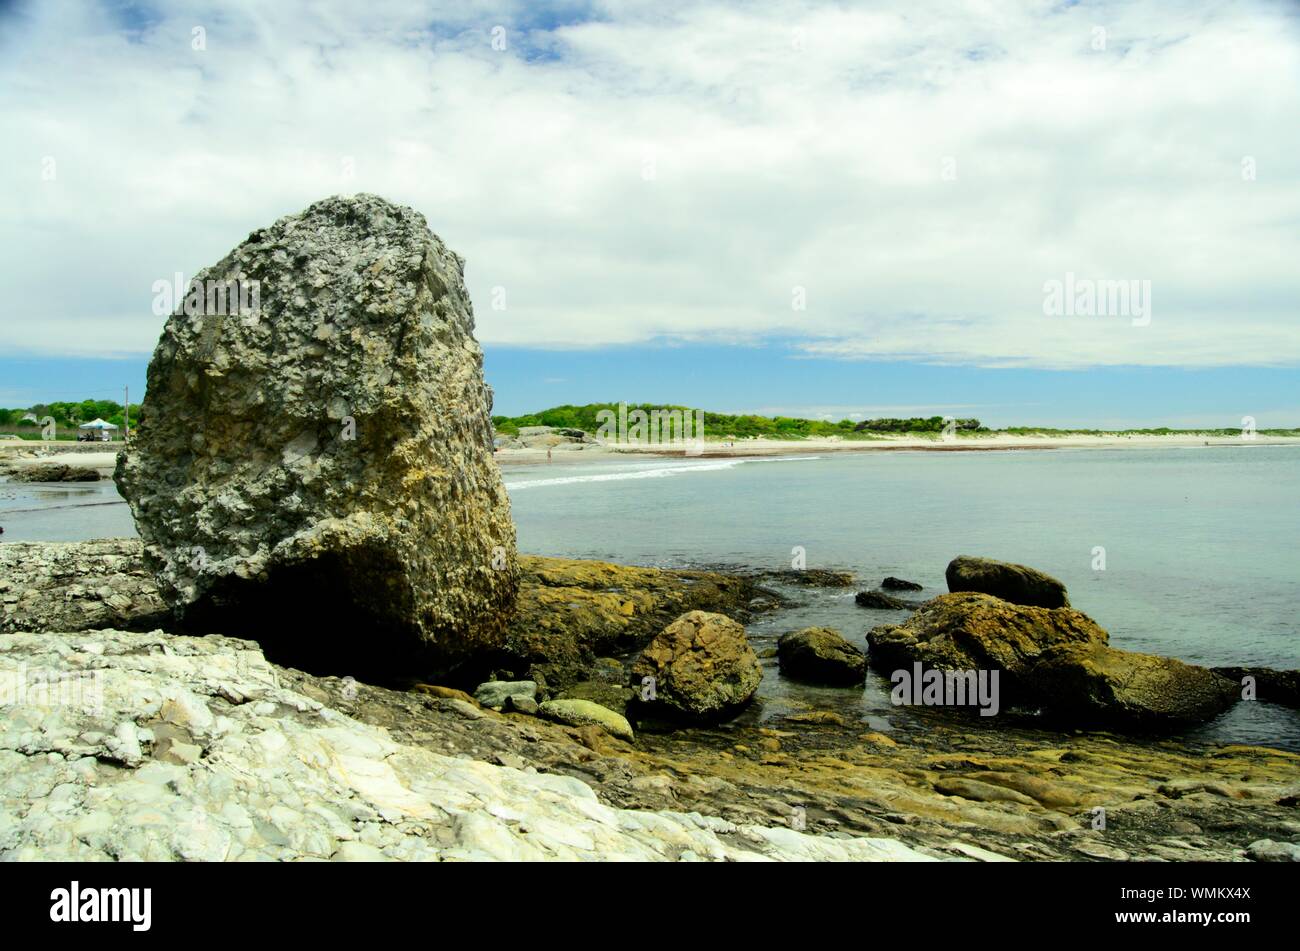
(812, 577)
(328, 456)
(882, 601)
(821, 655)
(899, 584)
(702, 667)
(1010, 582)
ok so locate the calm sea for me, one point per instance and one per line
(1200, 550)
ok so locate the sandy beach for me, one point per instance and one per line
(725, 449)
(104, 458)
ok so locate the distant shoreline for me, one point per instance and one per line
(758, 448)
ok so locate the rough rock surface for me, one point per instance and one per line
(75, 586)
(152, 747)
(54, 472)
(494, 693)
(1100, 686)
(1055, 658)
(821, 655)
(1172, 799)
(570, 612)
(1010, 582)
(331, 451)
(968, 631)
(702, 665)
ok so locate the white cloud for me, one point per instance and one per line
(649, 171)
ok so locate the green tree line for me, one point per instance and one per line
(726, 424)
(66, 415)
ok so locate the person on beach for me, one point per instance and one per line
(548, 455)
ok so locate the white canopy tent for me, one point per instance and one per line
(97, 424)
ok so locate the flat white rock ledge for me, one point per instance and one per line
(261, 772)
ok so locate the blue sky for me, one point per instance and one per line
(770, 380)
(797, 207)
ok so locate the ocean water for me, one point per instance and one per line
(1200, 544)
(1201, 560)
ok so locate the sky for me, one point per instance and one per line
(806, 208)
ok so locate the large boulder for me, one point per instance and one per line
(571, 612)
(821, 655)
(1015, 583)
(1101, 686)
(1057, 659)
(702, 665)
(318, 472)
(969, 631)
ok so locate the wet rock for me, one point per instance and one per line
(970, 631)
(1056, 658)
(898, 584)
(329, 453)
(1100, 686)
(821, 655)
(570, 612)
(882, 601)
(1271, 686)
(812, 577)
(702, 665)
(585, 713)
(1053, 795)
(1010, 582)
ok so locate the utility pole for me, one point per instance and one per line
(126, 414)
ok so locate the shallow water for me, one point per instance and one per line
(1201, 561)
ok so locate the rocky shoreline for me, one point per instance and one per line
(382, 675)
(945, 786)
